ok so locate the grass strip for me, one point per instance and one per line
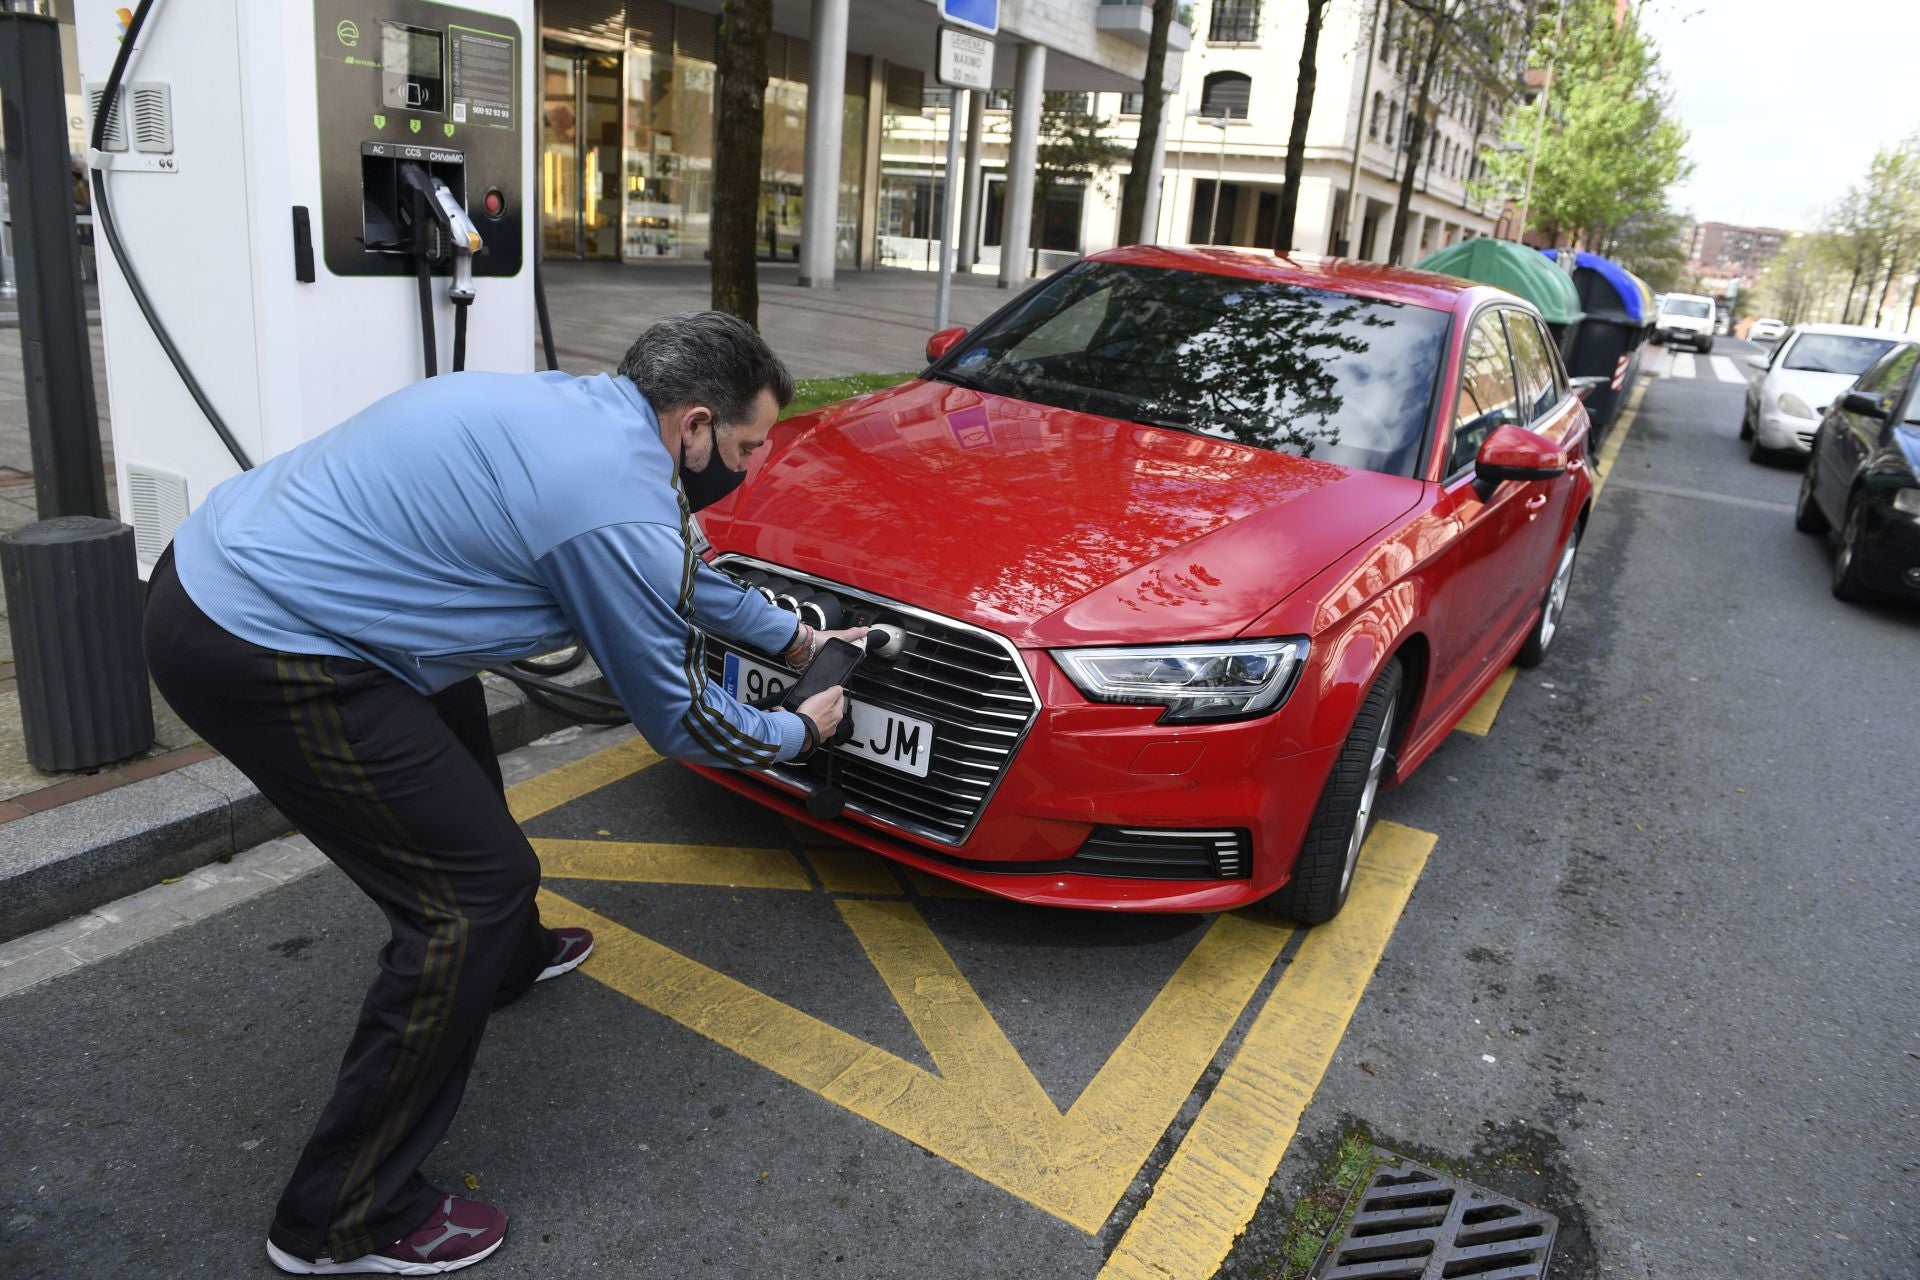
(813, 393)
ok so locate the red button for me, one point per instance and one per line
(495, 203)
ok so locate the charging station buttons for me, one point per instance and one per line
(494, 203)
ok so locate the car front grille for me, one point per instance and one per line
(1806, 440)
(968, 683)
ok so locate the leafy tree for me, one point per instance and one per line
(1477, 33)
(1610, 148)
(740, 113)
(1135, 200)
(1297, 133)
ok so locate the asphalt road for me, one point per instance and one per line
(1657, 976)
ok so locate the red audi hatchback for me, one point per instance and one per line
(1189, 551)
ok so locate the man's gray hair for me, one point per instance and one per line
(707, 358)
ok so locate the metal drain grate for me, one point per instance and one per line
(1415, 1223)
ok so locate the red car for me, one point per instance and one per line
(1191, 549)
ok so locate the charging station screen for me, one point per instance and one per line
(412, 68)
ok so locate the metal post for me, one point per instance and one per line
(943, 293)
(1219, 176)
(62, 420)
(1351, 224)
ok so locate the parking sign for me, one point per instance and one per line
(976, 15)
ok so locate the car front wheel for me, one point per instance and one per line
(1323, 871)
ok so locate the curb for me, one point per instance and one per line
(68, 860)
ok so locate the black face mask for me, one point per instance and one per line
(706, 487)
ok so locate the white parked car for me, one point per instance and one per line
(1766, 330)
(1811, 368)
(1685, 317)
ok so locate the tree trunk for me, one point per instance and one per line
(1880, 298)
(739, 115)
(1135, 199)
(1853, 282)
(1912, 298)
(1439, 20)
(1297, 135)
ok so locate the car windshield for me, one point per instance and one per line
(1275, 366)
(1835, 353)
(1686, 307)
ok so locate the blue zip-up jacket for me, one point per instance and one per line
(475, 518)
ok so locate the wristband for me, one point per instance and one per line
(810, 743)
(802, 646)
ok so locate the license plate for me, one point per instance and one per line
(885, 737)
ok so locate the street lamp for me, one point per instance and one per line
(1217, 119)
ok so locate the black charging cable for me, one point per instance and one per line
(103, 207)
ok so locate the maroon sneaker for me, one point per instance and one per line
(571, 946)
(458, 1234)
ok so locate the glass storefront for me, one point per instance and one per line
(628, 146)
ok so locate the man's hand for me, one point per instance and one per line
(814, 641)
(826, 709)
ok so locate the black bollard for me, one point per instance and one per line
(74, 606)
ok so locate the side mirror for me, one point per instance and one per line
(1514, 453)
(1757, 362)
(1586, 386)
(942, 342)
(1866, 404)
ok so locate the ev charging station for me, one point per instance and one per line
(325, 200)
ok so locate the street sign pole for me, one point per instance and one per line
(961, 61)
(943, 293)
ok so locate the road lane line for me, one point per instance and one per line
(692, 864)
(546, 792)
(1683, 365)
(1729, 499)
(1479, 718)
(1723, 369)
(1216, 1179)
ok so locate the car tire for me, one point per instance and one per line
(1553, 609)
(1706, 345)
(1746, 424)
(1757, 452)
(1846, 561)
(1323, 869)
(1807, 515)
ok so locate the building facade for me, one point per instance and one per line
(1722, 254)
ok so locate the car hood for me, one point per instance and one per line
(1818, 389)
(1048, 526)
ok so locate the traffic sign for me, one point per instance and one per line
(976, 15)
(965, 61)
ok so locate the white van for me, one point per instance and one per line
(1685, 317)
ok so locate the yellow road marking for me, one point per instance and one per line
(985, 1112)
(1215, 1180)
(846, 870)
(548, 791)
(670, 864)
(1479, 718)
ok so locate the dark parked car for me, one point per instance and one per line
(1864, 480)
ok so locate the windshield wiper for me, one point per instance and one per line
(1167, 423)
(962, 380)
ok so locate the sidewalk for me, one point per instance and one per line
(86, 837)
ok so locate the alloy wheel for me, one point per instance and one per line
(1376, 765)
(1557, 594)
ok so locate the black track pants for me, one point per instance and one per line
(403, 793)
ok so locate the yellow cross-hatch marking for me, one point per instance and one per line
(982, 1108)
(1210, 1188)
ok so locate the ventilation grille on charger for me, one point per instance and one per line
(159, 506)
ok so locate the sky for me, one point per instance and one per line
(1786, 100)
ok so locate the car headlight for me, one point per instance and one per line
(1907, 500)
(1794, 407)
(1217, 680)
